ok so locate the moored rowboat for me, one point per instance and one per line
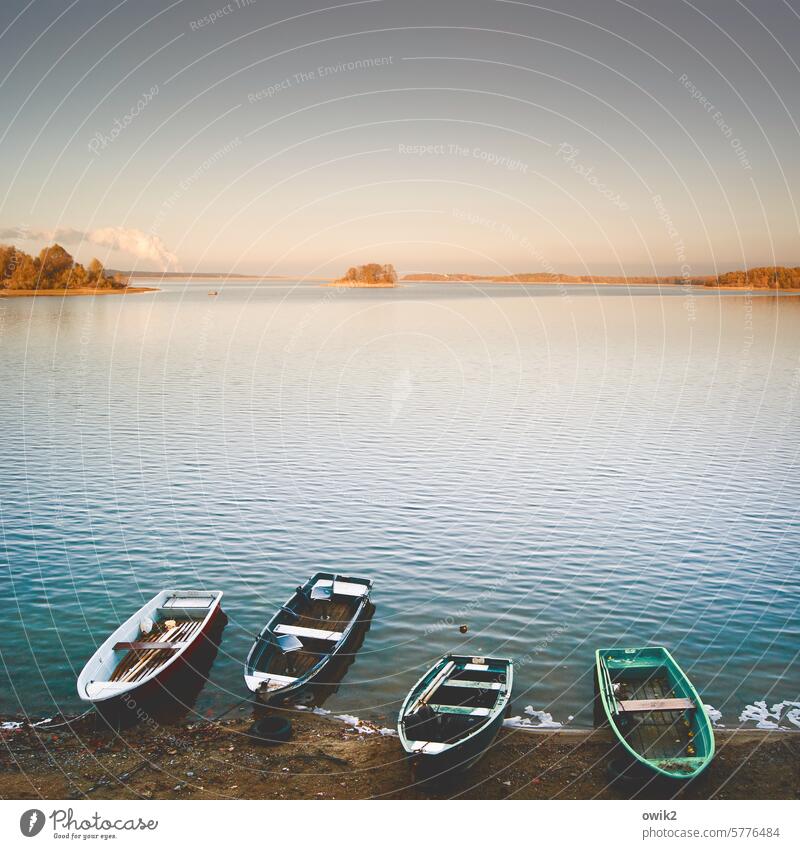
(453, 713)
(305, 635)
(148, 646)
(654, 711)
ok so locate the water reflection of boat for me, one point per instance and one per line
(177, 697)
(315, 628)
(328, 681)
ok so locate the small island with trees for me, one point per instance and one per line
(55, 272)
(369, 276)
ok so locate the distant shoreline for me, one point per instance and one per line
(69, 293)
(654, 282)
(197, 275)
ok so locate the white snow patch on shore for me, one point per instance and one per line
(363, 726)
(765, 718)
(13, 726)
(544, 720)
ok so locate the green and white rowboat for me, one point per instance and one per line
(654, 711)
(453, 713)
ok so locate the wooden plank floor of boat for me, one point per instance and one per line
(657, 734)
(157, 657)
(296, 664)
(338, 613)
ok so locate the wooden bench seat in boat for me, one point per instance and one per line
(426, 746)
(147, 646)
(271, 676)
(310, 633)
(458, 709)
(201, 601)
(339, 588)
(475, 685)
(272, 681)
(643, 705)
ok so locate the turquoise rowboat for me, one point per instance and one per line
(453, 713)
(654, 710)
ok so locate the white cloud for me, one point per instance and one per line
(127, 240)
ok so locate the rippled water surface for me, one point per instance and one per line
(558, 469)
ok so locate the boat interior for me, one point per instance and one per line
(654, 715)
(306, 630)
(454, 701)
(157, 634)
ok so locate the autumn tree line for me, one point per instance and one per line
(765, 277)
(53, 268)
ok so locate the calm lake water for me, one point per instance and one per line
(557, 468)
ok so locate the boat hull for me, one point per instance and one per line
(654, 711)
(104, 660)
(458, 759)
(452, 715)
(162, 683)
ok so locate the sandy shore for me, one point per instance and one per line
(68, 293)
(329, 759)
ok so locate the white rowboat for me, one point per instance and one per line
(148, 646)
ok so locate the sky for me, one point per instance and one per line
(487, 136)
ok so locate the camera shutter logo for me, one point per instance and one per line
(31, 822)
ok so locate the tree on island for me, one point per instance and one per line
(54, 268)
(371, 274)
(765, 277)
